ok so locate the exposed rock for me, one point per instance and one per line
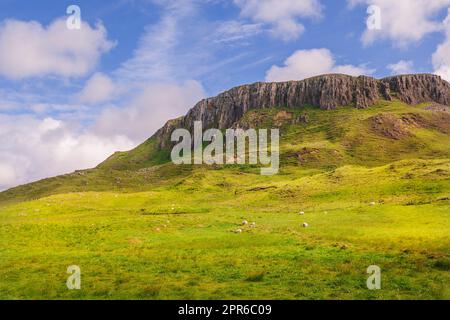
(396, 128)
(307, 154)
(414, 120)
(437, 107)
(385, 90)
(163, 134)
(301, 119)
(418, 88)
(439, 121)
(282, 117)
(389, 126)
(326, 92)
(256, 120)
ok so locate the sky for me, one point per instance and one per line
(70, 97)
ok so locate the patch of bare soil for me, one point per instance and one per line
(438, 107)
(390, 126)
(282, 117)
(393, 127)
(440, 121)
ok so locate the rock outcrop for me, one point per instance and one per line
(326, 92)
(418, 88)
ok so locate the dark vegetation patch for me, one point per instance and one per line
(256, 277)
(442, 264)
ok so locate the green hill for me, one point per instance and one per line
(374, 185)
(384, 133)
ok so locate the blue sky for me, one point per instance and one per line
(69, 98)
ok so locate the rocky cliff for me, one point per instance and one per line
(326, 92)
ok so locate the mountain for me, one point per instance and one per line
(349, 111)
(326, 92)
(366, 162)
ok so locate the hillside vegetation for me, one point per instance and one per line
(374, 185)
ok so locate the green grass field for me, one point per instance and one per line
(142, 228)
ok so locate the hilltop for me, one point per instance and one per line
(325, 92)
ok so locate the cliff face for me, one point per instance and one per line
(414, 89)
(326, 92)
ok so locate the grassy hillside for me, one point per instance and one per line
(374, 185)
(328, 140)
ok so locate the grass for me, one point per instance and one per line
(168, 232)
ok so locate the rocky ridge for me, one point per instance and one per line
(326, 92)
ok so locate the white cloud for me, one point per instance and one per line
(282, 15)
(154, 57)
(404, 21)
(32, 148)
(441, 57)
(155, 104)
(402, 67)
(28, 49)
(230, 31)
(183, 46)
(98, 88)
(156, 84)
(308, 63)
(8, 175)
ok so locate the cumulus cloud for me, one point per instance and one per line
(404, 21)
(282, 16)
(441, 57)
(98, 88)
(28, 49)
(33, 148)
(147, 90)
(402, 67)
(308, 63)
(154, 105)
(8, 175)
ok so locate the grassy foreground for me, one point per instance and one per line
(173, 235)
